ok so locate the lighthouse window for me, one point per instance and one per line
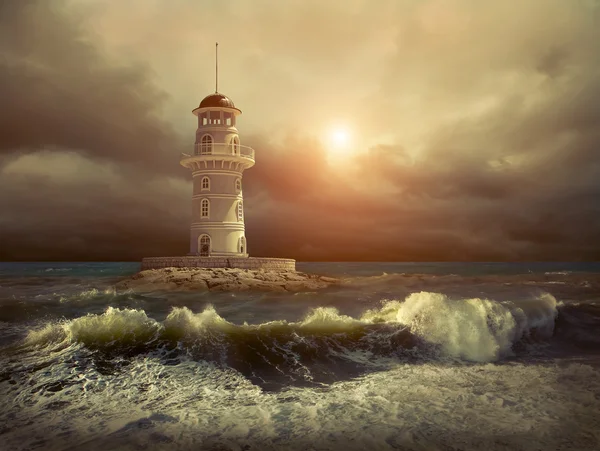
(227, 118)
(206, 145)
(204, 208)
(204, 119)
(242, 245)
(215, 117)
(240, 211)
(205, 184)
(238, 185)
(235, 144)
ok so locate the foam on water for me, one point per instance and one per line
(196, 405)
(93, 294)
(478, 330)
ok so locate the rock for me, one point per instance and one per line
(223, 279)
(306, 285)
(262, 285)
(201, 275)
(329, 279)
(180, 278)
(215, 282)
(272, 277)
(294, 276)
(231, 287)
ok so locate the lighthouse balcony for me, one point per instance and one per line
(223, 149)
(216, 151)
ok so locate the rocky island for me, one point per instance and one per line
(224, 279)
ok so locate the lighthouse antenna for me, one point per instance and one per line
(216, 67)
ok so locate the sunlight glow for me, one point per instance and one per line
(339, 139)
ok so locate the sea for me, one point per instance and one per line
(399, 356)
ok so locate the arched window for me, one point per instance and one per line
(243, 245)
(206, 145)
(204, 245)
(235, 145)
(238, 185)
(205, 186)
(240, 211)
(204, 208)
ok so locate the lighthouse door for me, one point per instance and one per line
(204, 246)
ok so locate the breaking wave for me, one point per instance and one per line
(424, 325)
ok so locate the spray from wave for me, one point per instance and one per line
(477, 330)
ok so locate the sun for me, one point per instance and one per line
(339, 139)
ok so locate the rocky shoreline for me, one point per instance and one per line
(224, 279)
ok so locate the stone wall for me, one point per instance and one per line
(271, 264)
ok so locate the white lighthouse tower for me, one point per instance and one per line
(217, 164)
(218, 161)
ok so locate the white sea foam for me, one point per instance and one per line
(92, 293)
(196, 405)
(475, 329)
(478, 330)
(127, 326)
(182, 322)
(328, 319)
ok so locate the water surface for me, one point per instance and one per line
(400, 356)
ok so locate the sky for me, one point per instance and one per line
(473, 127)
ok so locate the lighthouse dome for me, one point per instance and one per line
(217, 100)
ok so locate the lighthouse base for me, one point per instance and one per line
(255, 263)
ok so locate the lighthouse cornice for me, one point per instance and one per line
(209, 171)
(209, 195)
(235, 111)
(218, 154)
(215, 162)
(218, 128)
(218, 226)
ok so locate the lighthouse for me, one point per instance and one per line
(217, 162)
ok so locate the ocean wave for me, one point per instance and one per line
(412, 279)
(478, 330)
(579, 324)
(92, 293)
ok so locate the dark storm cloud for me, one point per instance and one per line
(85, 211)
(58, 89)
(64, 102)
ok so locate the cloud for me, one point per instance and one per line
(476, 125)
(59, 89)
(58, 205)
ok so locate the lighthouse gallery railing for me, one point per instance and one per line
(206, 149)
